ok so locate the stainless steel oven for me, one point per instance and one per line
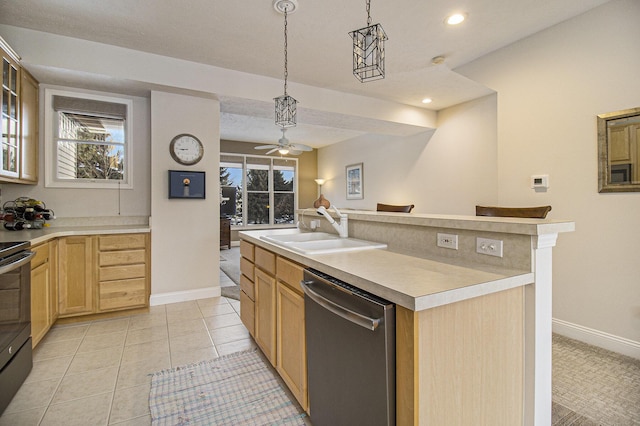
(15, 318)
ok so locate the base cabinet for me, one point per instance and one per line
(291, 359)
(103, 273)
(272, 308)
(76, 275)
(265, 315)
(40, 293)
(123, 262)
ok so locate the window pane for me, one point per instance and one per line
(231, 186)
(283, 180)
(257, 179)
(90, 161)
(257, 208)
(283, 211)
(90, 128)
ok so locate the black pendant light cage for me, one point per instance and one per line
(368, 50)
(285, 105)
(286, 111)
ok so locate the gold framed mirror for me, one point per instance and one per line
(619, 151)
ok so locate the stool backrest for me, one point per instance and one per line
(539, 212)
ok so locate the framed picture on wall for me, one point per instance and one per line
(184, 184)
(355, 181)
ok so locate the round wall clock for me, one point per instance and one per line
(186, 149)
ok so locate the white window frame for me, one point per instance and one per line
(50, 148)
(271, 167)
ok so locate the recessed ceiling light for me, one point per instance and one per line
(427, 100)
(455, 19)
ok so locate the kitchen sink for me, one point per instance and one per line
(299, 237)
(320, 243)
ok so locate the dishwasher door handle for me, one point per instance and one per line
(341, 311)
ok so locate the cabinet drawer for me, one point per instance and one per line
(247, 286)
(41, 255)
(246, 250)
(247, 313)
(246, 267)
(265, 260)
(124, 272)
(123, 257)
(122, 242)
(290, 273)
(122, 294)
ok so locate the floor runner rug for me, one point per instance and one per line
(237, 389)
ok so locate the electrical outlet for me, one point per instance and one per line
(449, 241)
(489, 247)
(315, 224)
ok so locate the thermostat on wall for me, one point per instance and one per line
(540, 181)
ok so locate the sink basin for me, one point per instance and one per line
(320, 243)
(335, 245)
(299, 237)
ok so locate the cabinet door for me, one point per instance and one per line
(40, 303)
(29, 127)
(76, 275)
(53, 280)
(265, 317)
(10, 116)
(291, 343)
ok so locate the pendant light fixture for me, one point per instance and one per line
(368, 50)
(285, 105)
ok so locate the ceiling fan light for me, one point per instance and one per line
(283, 151)
(455, 19)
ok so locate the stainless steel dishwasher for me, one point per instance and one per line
(350, 353)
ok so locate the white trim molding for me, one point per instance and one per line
(184, 296)
(597, 338)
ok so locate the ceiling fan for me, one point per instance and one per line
(285, 147)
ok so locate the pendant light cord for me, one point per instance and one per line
(286, 72)
(368, 13)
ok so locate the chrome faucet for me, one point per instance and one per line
(342, 226)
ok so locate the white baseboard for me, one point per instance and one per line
(184, 296)
(597, 338)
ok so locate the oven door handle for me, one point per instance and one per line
(21, 259)
(341, 311)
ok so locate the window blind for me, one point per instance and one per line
(90, 107)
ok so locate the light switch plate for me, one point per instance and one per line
(489, 247)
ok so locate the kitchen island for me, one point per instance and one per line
(473, 332)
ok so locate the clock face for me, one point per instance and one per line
(186, 149)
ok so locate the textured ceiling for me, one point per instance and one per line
(248, 36)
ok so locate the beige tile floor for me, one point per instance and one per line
(97, 373)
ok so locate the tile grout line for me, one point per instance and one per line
(48, 406)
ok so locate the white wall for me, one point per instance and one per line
(550, 88)
(185, 233)
(71, 203)
(448, 172)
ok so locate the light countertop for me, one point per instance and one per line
(37, 236)
(412, 282)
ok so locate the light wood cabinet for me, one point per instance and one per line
(247, 287)
(19, 116)
(29, 128)
(291, 359)
(76, 276)
(272, 308)
(265, 313)
(103, 273)
(44, 290)
(10, 113)
(123, 271)
(41, 303)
